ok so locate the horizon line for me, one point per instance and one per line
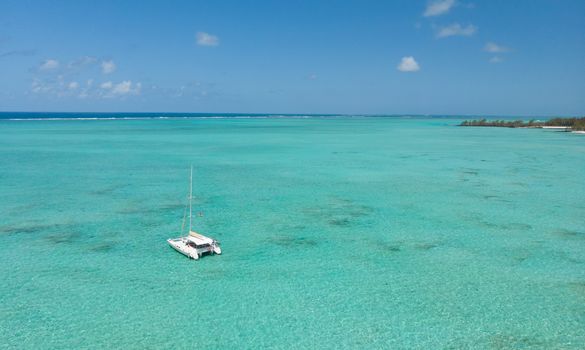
(315, 114)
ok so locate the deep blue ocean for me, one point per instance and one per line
(153, 115)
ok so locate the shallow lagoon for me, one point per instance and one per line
(337, 233)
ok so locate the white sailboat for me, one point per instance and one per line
(194, 244)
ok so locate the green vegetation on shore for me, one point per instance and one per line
(576, 124)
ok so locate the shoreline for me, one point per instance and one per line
(555, 124)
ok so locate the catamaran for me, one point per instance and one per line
(194, 244)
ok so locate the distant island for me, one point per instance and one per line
(568, 124)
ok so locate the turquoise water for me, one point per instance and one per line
(337, 233)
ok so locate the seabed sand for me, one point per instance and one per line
(337, 233)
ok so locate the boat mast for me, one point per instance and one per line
(190, 197)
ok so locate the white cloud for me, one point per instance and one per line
(206, 39)
(59, 86)
(39, 86)
(53, 86)
(496, 59)
(408, 64)
(122, 88)
(456, 29)
(438, 7)
(49, 65)
(107, 85)
(495, 48)
(77, 66)
(126, 88)
(312, 76)
(81, 63)
(108, 67)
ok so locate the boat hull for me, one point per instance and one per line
(185, 247)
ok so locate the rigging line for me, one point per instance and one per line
(184, 219)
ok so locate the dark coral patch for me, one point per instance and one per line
(568, 233)
(16, 229)
(490, 197)
(501, 341)
(170, 207)
(578, 287)
(340, 222)
(102, 247)
(66, 237)
(390, 247)
(290, 241)
(106, 190)
(425, 246)
(339, 212)
(516, 226)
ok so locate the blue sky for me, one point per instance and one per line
(357, 57)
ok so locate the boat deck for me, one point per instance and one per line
(194, 247)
